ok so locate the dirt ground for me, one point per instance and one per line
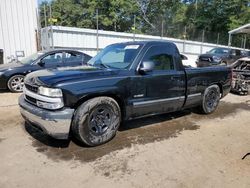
(182, 149)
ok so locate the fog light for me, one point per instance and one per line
(50, 106)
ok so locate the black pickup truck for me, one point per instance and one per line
(122, 82)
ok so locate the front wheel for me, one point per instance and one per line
(16, 83)
(96, 121)
(211, 99)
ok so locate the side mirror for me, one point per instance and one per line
(183, 57)
(41, 63)
(146, 66)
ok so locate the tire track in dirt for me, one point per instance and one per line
(140, 131)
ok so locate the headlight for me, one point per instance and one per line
(216, 59)
(1, 73)
(50, 92)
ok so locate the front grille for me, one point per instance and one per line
(30, 99)
(31, 88)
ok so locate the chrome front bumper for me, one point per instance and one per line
(55, 123)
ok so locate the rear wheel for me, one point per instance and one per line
(16, 83)
(96, 121)
(210, 99)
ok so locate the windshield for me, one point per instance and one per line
(118, 56)
(219, 51)
(31, 58)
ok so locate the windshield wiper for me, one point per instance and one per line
(103, 65)
(98, 64)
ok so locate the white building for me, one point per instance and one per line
(18, 26)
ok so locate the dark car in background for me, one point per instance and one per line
(246, 53)
(219, 56)
(12, 74)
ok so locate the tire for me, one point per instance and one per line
(211, 99)
(96, 121)
(15, 83)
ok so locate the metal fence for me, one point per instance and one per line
(91, 41)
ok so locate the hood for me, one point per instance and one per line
(7, 66)
(58, 77)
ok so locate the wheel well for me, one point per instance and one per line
(117, 98)
(220, 86)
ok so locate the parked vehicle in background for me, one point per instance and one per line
(246, 53)
(219, 56)
(12, 74)
(122, 82)
(187, 61)
(241, 76)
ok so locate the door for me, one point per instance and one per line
(53, 60)
(164, 88)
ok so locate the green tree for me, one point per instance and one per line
(172, 18)
(112, 14)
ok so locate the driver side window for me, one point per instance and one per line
(71, 57)
(53, 58)
(161, 58)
